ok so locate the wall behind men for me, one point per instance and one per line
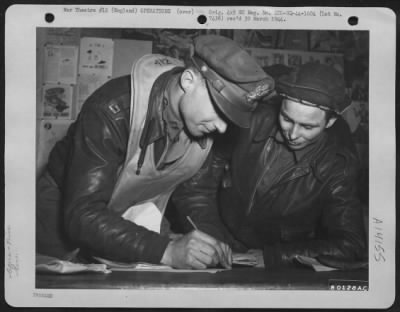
(73, 62)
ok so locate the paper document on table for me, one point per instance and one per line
(244, 259)
(314, 263)
(146, 214)
(143, 266)
(47, 264)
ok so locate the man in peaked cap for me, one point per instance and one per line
(288, 187)
(135, 139)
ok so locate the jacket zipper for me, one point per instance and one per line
(294, 176)
(250, 206)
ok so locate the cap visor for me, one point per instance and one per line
(238, 117)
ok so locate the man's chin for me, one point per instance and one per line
(196, 134)
(296, 147)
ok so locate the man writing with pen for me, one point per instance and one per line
(135, 140)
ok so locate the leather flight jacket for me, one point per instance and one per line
(85, 166)
(312, 210)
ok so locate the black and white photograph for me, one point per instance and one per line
(192, 158)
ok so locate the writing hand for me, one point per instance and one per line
(196, 250)
(224, 251)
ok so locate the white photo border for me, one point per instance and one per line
(20, 122)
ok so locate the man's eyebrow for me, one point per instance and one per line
(309, 125)
(313, 125)
(285, 115)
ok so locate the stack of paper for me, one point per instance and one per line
(143, 266)
(314, 263)
(244, 259)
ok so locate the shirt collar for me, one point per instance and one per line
(298, 154)
(172, 124)
(162, 120)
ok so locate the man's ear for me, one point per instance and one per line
(188, 79)
(330, 122)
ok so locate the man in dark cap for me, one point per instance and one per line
(108, 181)
(288, 187)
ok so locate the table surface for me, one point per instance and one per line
(300, 278)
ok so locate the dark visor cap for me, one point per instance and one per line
(316, 85)
(234, 79)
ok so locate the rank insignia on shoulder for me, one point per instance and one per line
(114, 108)
(163, 61)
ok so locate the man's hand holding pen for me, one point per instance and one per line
(197, 250)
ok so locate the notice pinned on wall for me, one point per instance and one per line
(60, 64)
(95, 65)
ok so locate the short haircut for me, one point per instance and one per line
(330, 114)
(190, 65)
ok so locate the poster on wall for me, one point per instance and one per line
(63, 36)
(96, 56)
(60, 64)
(95, 65)
(57, 101)
(295, 58)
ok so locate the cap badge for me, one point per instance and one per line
(259, 92)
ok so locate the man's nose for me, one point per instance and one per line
(221, 126)
(293, 132)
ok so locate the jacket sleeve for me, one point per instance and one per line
(340, 237)
(98, 150)
(197, 197)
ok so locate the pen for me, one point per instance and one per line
(192, 223)
(227, 263)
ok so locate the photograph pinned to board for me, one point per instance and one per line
(57, 101)
(279, 48)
